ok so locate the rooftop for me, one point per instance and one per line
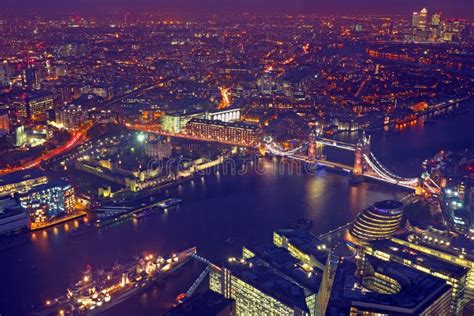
(388, 204)
(417, 257)
(283, 262)
(306, 242)
(263, 278)
(418, 290)
(225, 124)
(20, 176)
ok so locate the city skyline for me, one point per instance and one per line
(453, 9)
(190, 158)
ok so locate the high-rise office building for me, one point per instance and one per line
(435, 19)
(415, 20)
(419, 19)
(423, 19)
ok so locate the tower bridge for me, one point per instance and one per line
(366, 165)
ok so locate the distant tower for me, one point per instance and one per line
(415, 20)
(423, 19)
(436, 19)
(362, 148)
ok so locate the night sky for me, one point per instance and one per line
(449, 8)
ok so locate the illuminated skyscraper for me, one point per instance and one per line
(423, 19)
(436, 19)
(415, 19)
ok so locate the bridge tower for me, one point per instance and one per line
(420, 187)
(312, 146)
(319, 147)
(362, 148)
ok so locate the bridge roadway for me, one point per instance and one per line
(325, 163)
(346, 168)
(336, 143)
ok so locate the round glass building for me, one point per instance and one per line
(379, 221)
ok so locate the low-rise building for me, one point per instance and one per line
(21, 181)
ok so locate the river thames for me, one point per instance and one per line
(219, 213)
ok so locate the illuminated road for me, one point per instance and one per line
(76, 139)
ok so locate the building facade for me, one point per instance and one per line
(21, 182)
(176, 122)
(236, 133)
(71, 116)
(34, 106)
(48, 201)
(379, 221)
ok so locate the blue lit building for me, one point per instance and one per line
(48, 201)
(457, 203)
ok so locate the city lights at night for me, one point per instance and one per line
(254, 157)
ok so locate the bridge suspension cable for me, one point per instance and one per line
(278, 151)
(380, 170)
(391, 174)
